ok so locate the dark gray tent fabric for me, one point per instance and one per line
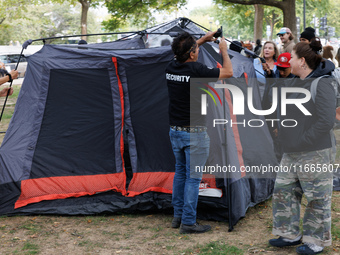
(129, 43)
(32, 98)
(31, 111)
(63, 140)
(336, 180)
(35, 178)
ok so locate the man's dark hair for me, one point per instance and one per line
(310, 51)
(182, 45)
(82, 42)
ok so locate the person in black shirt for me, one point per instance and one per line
(258, 47)
(189, 139)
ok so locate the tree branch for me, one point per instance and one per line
(266, 19)
(2, 20)
(274, 3)
(133, 6)
(163, 6)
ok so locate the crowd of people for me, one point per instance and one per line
(309, 143)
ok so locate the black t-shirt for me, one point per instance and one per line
(185, 106)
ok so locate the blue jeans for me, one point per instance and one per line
(191, 151)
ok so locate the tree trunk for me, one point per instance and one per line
(272, 23)
(258, 22)
(287, 7)
(85, 5)
(289, 16)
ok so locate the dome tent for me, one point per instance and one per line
(90, 134)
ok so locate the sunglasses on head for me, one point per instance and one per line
(192, 49)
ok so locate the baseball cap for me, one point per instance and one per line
(283, 60)
(284, 30)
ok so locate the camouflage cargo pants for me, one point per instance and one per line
(307, 173)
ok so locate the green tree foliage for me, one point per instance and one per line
(12, 9)
(273, 17)
(288, 7)
(205, 16)
(85, 6)
(46, 20)
(317, 7)
(237, 20)
(333, 16)
(239, 17)
(320, 8)
(91, 3)
(138, 13)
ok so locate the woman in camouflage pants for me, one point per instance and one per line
(307, 156)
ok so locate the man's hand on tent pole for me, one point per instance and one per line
(9, 77)
(208, 37)
(227, 69)
(223, 45)
(14, 74)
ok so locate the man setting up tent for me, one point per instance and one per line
(189, 139)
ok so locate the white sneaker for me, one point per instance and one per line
(314, 247)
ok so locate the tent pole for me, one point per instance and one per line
(161, 25)
(200, 25)
(227, 181)
(228, 173)
(229, 204)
